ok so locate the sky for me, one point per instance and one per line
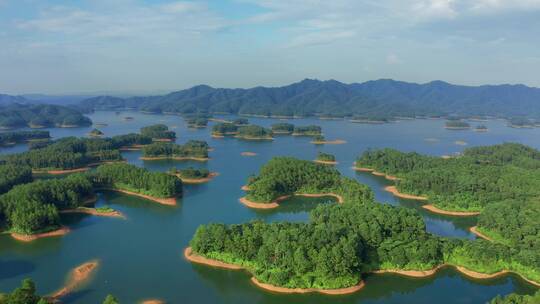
(144, 47)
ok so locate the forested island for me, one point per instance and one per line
(457, 125)
(466, 184)
(15, 137)
(254, 132)
(224, 129)
(370, 119)
(95, 133)
(521, 122)
(197, 121)
(342, 243)
(311, 130)
(481, 128)
(282, 128)
(41, 116)
(192, 150)
(325, 158)
(158, 132)
(193, 175)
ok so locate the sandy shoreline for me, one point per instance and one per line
(474, 229)
(198, 180)
(79, 275)
(152, 301)
(395, 192)
(253, 138)
(199, 159)
(171, 201)
(57, 172)
(93, 211)
(434, 209)
(326, 162)
(195, 258)
(376, 173)
(245, 188)
(329, 142)
(275, 203)
(32, 237)
(248, 154)
(412, 273)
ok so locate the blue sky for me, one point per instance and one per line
(136, 46)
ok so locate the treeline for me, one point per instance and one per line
(326, 157)
(457, 124)
(190, 173)
(254, 131)
(132, 178)
(22, 136)
(33, 207)
(483, 175)
(225, 128)
(44, 115)
(285, 128)
(287, 175)
(192, 148)
(311, 130)
(11, 175)
(517, 299)
(158, 131)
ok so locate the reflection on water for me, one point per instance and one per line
(141, 256)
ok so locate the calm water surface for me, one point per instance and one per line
(141, 256)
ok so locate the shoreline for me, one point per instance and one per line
(245, 188)
(412, 273)
(326, 162)
(275, 203)
(58, 172)
(171, 201)
(195, 258)
(199, 159)
(248, 154)
(211, 175)
(163, 139)
(93, 211)
(434, 209)
(79, 275)
(253, 138)
(376, 173)
(329, 142)
(32, 237)
(395, 192)
(474, 230)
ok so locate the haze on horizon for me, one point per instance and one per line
(136, 46)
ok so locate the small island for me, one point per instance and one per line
(197, 122)
(15, 137)
(192, 175)
(95, 133)
(254, 132)
(241, 122)
(320, 140)
(282, 128)
(325, 159)
(521, 123)
(311, 130)
(370, 119)
(481, 128)
(224, 129)
(158, 132)
(457, 125)
(192, 150)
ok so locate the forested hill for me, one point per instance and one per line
(8, 99)
(379, 98)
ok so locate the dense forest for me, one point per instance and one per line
(11, 175)
(25, 294)
(481, 176)
(43, 115)
(307, 130)
(225, 128)
(132, 178)
(190, 172)
(158, 131)
(372, 99)
(284, 128)
(343, 241)
(23, 136)
(254, 132)
(197, 122)
(517, 299)
(192, 148)
(326, 157)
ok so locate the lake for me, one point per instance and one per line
(141, 256)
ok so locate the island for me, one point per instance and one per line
(320, 140)
(370, 119)
(481, 128)
(457, 125)
(325, 159)
(95, 133)
(311, 130)
(241, 122)
(463, 185)
(282, 128)
(158, 132)
(197, 122)
(254, 132)
(342, 243)
(224, 129)
(15, 137)
(521, 123)
(192, 150)
(192, 175)
(41, 116)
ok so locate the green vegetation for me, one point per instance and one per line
(307, 130)
(192, 148)
(481, 128)
(157, 132)
(319, 138)
(95, 133)
(33, 207)
(197, 122)
(481, 176)
(285, 128)
(132, 178)
(23, 136)
(26, 294)
(457, 124)
(130, 139)
(286, 175)
(520, 122)
(11, 175)
(44, 115)
(254, 132)
(241, 122)
(110, 299)
(517, 299)
(370, 119)
(224, 128)
(66, 153)
(326, 157)
(190, 173)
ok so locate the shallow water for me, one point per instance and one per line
(141, 256)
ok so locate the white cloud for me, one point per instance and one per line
(392, 59)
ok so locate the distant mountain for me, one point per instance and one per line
(56, 99)
(383, 98)
(18, 115)
(8, 99)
